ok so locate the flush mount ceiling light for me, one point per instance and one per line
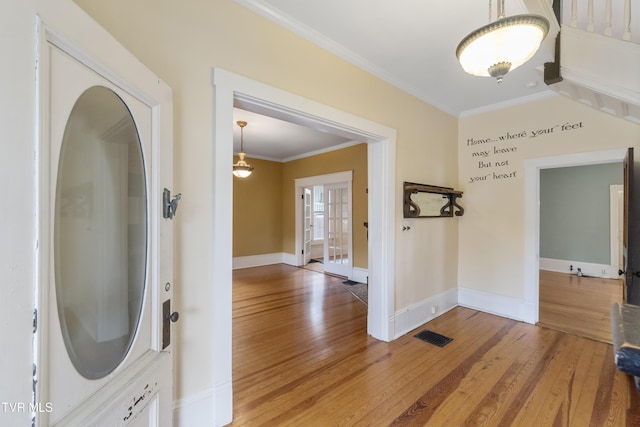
(502, 45)
(242, 169)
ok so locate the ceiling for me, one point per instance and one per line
(410, 44)
(274, 139)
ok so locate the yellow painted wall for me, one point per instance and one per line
(257, 210)
(264, 203)
(351, 158)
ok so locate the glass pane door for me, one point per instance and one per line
(337, 247)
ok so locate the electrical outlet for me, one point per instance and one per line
(434, 309)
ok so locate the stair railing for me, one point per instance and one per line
(611, 18)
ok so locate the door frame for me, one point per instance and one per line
(235, 90)
(532, 216)
(614, 225)
(310, 181)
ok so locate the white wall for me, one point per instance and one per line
(492, 231)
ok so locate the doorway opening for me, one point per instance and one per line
(324, 217)
(313, 240)
(532, 215)
(234, 90)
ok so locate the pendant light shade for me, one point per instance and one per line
(242, 169)
(503, 45)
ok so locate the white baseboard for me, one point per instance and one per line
(264, 259)
(195, 410)
(511, 308)
(198, 409)
(588, 269)
(418, 314)
(289, 259)
(223, 413)
(360, 275)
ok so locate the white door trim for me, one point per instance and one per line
(616, 243)
(532, 216)
(231, 89)
(310, 181)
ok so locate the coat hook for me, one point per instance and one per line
(169, 206)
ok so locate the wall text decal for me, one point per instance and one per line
(492, 155)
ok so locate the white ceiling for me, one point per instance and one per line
(273, 139)
(409, 43)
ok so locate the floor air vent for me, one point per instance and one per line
(433, 338)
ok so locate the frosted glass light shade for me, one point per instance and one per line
(242, 169)
(501, 46)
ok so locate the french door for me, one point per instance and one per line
(337, 229)
(103, 347)
(307, 224)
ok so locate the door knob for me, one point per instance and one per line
(174, 316)
(620, 272)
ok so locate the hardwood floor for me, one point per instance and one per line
(315, 266)
(302, 357)
(578, 305)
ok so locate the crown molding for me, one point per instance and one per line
(286, 21)
(509, 103)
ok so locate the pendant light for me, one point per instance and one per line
(502, 45)
(242, 169)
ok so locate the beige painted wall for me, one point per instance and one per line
(351, 158)
(257, 210)
(492, 233)
(181, 42)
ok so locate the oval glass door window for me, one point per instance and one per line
(100, 234)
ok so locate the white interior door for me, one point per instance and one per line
(307, 224)
(337, 229)
(103, 354)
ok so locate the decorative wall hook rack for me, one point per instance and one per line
(429, 201)
(169, 205)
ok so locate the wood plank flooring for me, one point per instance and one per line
(302, 357)
(578, 305)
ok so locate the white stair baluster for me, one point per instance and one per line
(607, 28)
(626, 35)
